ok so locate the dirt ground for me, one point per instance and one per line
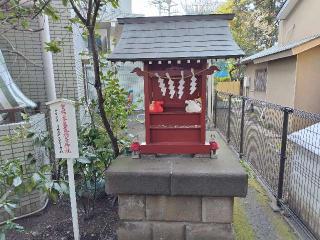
(54, 223)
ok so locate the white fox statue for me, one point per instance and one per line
(193, 106)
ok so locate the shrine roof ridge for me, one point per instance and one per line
(176, 37)
(129, 20)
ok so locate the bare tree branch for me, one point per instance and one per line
(3, 3)
(13, 50)
(41, 9)
(95, 13)
(164, 6)
(77, 11)
(90, 23)
(90, 6)
(98, 84)
(23, 56)
(199, 6)
(27, 30)
(21, 4)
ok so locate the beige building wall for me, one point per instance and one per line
(301, 22)
(281, 81)
(280, 87)
(229, 87)
(250, 74)
(308, 81)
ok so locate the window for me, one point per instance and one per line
(103, 37)
(88, 82)
(260, 81)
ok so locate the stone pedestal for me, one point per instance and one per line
(176, 198)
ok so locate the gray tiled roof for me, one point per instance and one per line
(176, 37)
(279, 48)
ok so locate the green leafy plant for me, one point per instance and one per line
(16, 181)
(116, 103)
(11, 181)
(255, 26)
(54, 46)
(95, 156)
(16, 15)
(96, 152)
(18, 178)
(9, 226)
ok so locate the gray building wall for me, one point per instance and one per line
(28, 77)
(67, 63)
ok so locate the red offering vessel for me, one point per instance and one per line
(156, 106)
(171, 129)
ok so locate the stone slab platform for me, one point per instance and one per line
(178, 176)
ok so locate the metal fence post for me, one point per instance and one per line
(229, 118)
(241, 154)
(286, 112)
(215, 108)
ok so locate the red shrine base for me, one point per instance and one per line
(175, 148)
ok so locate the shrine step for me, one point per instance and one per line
(175, 148)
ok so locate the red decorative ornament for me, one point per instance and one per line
(156, 106)
(135, 147)
(214, 145)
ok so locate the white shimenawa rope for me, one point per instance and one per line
(171, 86)
(193, 84)
(181, 85)
(161, 85)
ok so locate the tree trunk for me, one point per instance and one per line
(98, 87)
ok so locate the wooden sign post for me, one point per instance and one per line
(65, 139)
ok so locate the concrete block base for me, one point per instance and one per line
(174, 217)
(176, 198)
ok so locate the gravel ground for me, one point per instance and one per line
(263, 227)
(265, 223)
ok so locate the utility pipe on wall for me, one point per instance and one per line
(47, 59)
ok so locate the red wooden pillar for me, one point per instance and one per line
(147, 100)
(203, 102)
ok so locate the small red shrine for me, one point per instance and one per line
(175, 51)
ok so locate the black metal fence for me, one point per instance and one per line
(282, 145)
